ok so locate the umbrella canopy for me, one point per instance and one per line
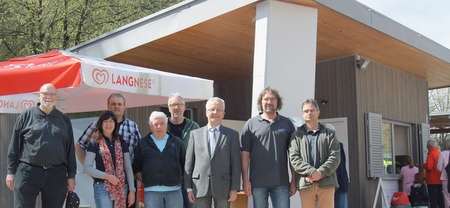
(84, 83)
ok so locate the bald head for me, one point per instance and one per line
(48, 88)
(47, 97)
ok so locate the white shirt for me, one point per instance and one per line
(442, 163)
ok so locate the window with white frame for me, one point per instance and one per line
(396, 145)
(387, 143)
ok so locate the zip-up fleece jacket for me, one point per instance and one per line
(433, 175)
(188, 127)
(158, 168)
(329, 157)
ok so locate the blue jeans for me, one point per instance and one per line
(163, 199)
(340, 199)
(102, 197)
(279, 195)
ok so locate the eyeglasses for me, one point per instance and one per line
(215, 110)
(46, 94)
(179, 105)
(269, 99)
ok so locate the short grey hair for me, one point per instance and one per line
(432, 143)
(157, 114)
(176, 94)
(311, 101)
(215, 99)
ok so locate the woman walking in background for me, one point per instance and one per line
(407, 174)
(112, 169)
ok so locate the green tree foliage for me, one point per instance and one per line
(30, 27)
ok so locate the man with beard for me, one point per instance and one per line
(265, 141)
(41, 155)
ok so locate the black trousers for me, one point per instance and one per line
(436, 197)
(30, 180)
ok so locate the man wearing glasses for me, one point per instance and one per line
(180, 127)
(41, 155)
(212, 161)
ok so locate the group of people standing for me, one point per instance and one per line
(428, 187)
(178, 163)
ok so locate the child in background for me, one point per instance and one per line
(419, 194)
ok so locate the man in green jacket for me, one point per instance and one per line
(315, 154)
(180, 127)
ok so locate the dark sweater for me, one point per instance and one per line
(160, 168)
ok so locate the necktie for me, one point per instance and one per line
(212, 140)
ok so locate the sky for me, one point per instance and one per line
(430, 18)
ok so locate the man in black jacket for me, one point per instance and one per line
(41, 155)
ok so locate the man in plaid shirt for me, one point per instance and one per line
(128, 129)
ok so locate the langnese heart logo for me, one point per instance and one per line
(100, 76)
(27, 104)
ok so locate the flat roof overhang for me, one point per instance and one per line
(221, 48)
(440, 122)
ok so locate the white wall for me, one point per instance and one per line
(83, 181)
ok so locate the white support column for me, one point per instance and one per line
(285, 53)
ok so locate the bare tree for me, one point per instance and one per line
(439, 101)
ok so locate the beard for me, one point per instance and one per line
(47, 104)
(270, 109)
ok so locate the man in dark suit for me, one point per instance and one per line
(213, 166)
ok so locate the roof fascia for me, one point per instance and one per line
(160, 24)
(384, 24)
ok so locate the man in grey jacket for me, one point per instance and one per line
(213, 165)
(314, 154)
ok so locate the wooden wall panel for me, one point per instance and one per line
(236, 93)
(140, 115)
(351, 92)
(335, 82)
(238, 98)
(7, 122)
(392, 93)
